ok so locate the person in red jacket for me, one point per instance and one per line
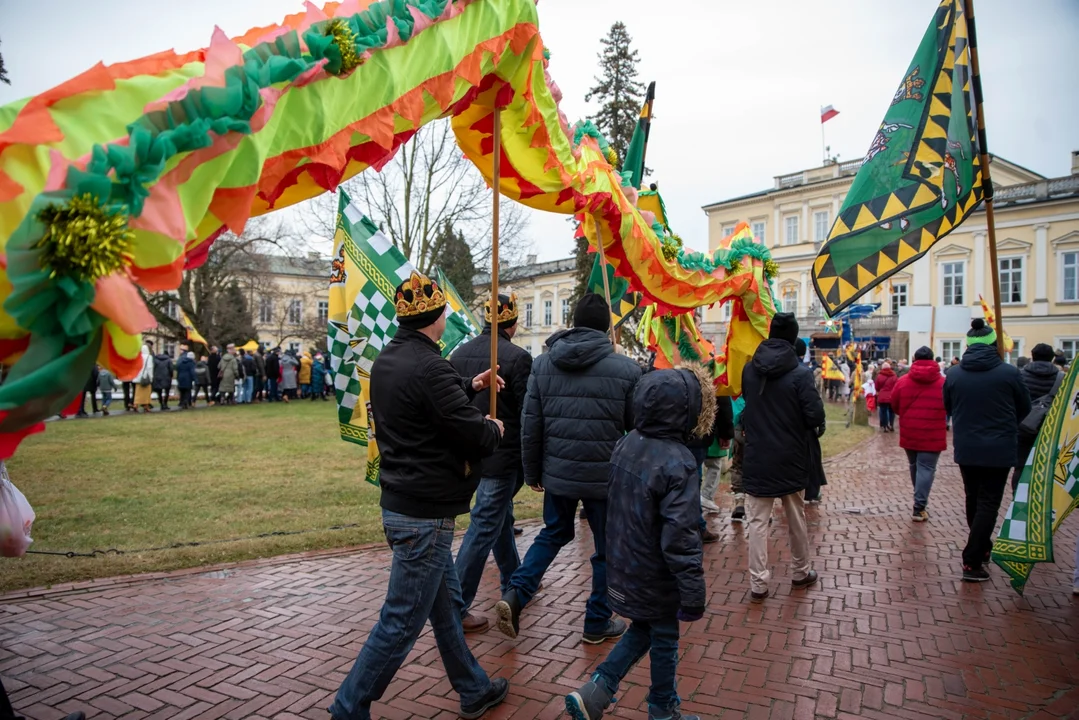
(885, 382)
(918, 398)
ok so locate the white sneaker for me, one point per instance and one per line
(708, 506)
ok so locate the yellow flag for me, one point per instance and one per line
(991, 321)
(192, 334)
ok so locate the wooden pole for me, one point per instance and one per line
(606, 283)
(987, 183)
(496, 186)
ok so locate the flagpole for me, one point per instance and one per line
(496, 186)
(606, 283)
(987, 183)
(823, 146)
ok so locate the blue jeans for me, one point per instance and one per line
(271, 390)
(491, 529)
(887, 416)
(660, 640)
(923, 466)
(559, 522)
(249, 389)
(422, 586)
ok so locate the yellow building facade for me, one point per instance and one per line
(1037, 229)
(543, 295)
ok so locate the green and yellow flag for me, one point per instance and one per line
(921, 176)
(633, 163)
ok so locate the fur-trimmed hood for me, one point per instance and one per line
(675, 404)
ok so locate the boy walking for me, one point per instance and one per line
(654, 573)
(104, 384)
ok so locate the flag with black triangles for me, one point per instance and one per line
(921, 176)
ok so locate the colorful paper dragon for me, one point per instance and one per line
(123, 176)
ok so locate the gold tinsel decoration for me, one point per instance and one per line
(771, 268)
(345, 40)
(83, 240)
(736, 267)
(612, 156)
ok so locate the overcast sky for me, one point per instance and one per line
(739, 85)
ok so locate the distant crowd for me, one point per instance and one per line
(235, 377)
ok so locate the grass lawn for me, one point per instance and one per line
(131, 482)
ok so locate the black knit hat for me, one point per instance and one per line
(1043, 352)
(784, 327)
(593, 312)
(800, 348)
(923, 353)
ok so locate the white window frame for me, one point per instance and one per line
(1017, 350)
(789, 299)
(897, 294)
(294, 346)
(944, 299)
(759, 231)
(791, 222)
(947, 355)
(818, 215)
(295, 311)
(1006, 294)
(726, 230)
(547, 312)
(565, 311)
(528, 314)
(265, 310)
(726, 311)
(1063, 257)
(170, 348)
(323, 311)
(172, 309)
(1059, 343)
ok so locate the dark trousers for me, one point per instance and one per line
(658, 640)
(6, 711)
(129, 396)
(163, 398)
(887, 416)
(205, 390)
(215, 389)
(984, 487)
(185, 397)
(272, 390)
(559, 522)
(93, 401)
(700, 455)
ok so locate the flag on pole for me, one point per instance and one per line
(622, 302)
(461, 324)
(192, 334)
(829, 370)
(991, 321)
(921, 176)
(633, 163)
(1048, 489)
(827, 113)
(365, 269)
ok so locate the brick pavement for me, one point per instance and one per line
(888, 633)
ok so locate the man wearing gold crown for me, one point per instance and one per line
(431, 439)
(491, 526)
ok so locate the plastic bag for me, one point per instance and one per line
(16, 518)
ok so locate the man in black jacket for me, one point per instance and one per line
(431, 438)
(273, 373)
(782, 407)
(214, 364)
(501, 475)
(987, 400)
(578, 405)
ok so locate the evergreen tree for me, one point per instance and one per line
(585, 260)
(617, 90)
(233, 322)
(3, 72)
(454, 258)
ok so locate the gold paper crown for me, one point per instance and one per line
(506, 310)
(418, 295)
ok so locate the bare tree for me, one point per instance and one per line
(427, 184)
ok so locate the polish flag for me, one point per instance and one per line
(827, 113)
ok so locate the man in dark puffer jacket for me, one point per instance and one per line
(987, 401)
(501, 476)
(1039, 375)
(656, 575)
(577, 407)
(782, 407)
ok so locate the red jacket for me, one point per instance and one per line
(885, 382)
(918, 399)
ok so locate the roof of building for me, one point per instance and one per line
(815, 176)
(527, 271)
(311, 265)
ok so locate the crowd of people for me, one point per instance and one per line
(235, 377)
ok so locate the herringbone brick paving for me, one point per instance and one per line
(888, 633)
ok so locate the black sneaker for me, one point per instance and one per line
(80, 715)
(500, 687)
(975, 574)
(809, 579)
(758, 596)
(615, 629)
(508, 610)
(708, 537)
(589, 702)
(672, 715)
(738, 514)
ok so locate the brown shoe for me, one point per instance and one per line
(474, 623)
